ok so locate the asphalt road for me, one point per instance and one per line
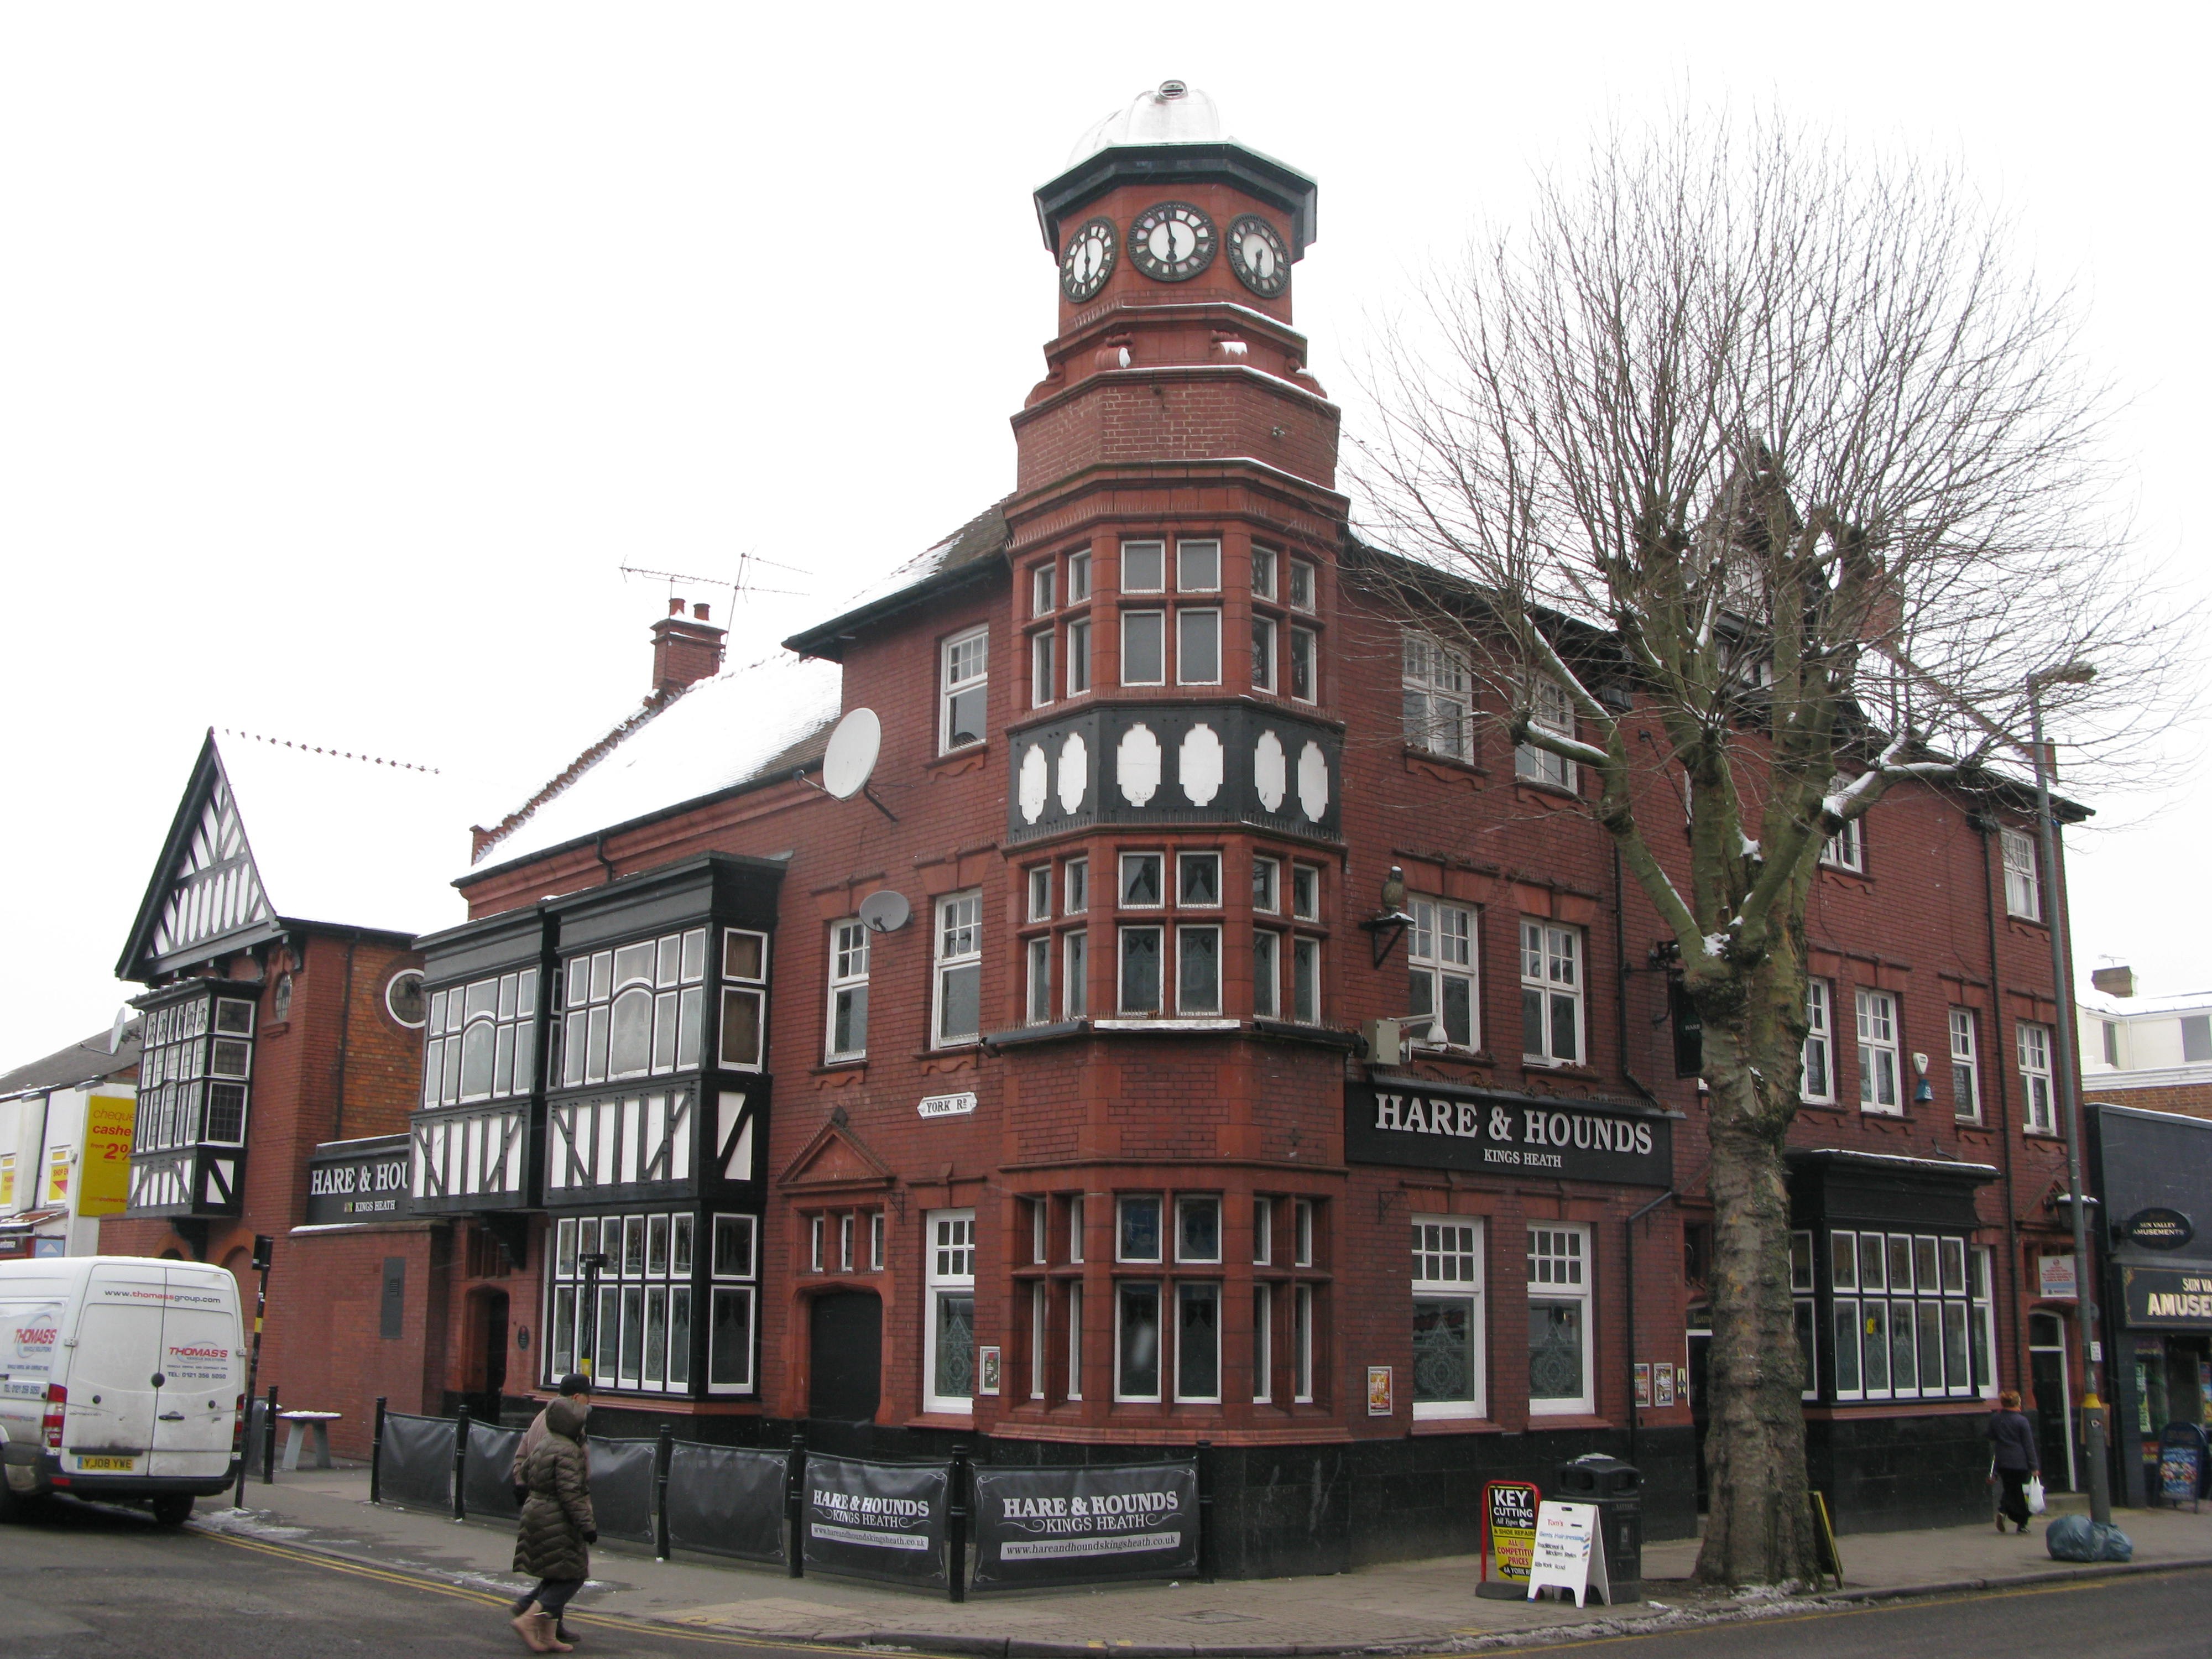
(83, 1582)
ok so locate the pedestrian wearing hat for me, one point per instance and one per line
(557, 1527)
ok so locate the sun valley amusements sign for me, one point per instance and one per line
(1442, 1126)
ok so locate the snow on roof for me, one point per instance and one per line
(2182, 1002)
(1899, 1159)
(348, 839)
(742, 726)
(982, 537)
(1173, 113)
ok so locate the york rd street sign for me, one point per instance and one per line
(1443, 1126)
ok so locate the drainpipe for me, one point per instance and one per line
(1628, 1228)
(1985, 827)
(1628, 1240)
(345, 1028)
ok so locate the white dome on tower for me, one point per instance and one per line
(1173, 113)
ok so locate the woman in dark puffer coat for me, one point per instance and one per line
(556, 1526)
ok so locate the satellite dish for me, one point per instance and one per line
(885, 912)
(851, 756)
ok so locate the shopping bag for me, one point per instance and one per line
(2035, 1494)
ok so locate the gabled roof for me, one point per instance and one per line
(271, 832)
(77, 1066)
(977, 549)
(742, 727)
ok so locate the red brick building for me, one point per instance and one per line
(1034, 1094)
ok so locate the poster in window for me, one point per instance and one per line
(1662, 1383)
(986, 1369)
(1379, 1400)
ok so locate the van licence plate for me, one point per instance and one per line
(125, 1464)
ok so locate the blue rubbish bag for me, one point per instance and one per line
(2077, 1538)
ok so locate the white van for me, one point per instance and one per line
(121, 1376)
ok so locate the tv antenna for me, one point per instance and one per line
(744, 583)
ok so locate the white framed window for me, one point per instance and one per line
(1301, 586)
(1038, 1005)
(1075, 1340)
(1263, 654)
(1846, 848)
(1043, 680)
(1438, 704)
(1136, 1341)
(848, 991)
(1198, 566)
(1143, 878)
(1044, 586)
(1198, 648)
(1075, 974)
(1263, 1232)
(1197, 1342)
(1263, 573)
(636, 1009)
(1040, 1211)
(1305, 892)
(1302, 1345)
(1304, 669)
(1440, 975)
(2041, 1111)
(1198, 880)
(1267, 886)
(1137, 1223)
(1143, 648)
(949, 1321)
(1075, 887)
(2023, 876)
(1305, 979)
(1197, 970)
(958, 993)
(1036, 887)
(1912, 1316)
(875, 1241)
(818, 1229)
(1143, 566)
(1040, 1303)
(1301, 1233)
(1075, 1229)
(1079, 657)
(1198, 1229)
(1549, 710)
(745, 1001)
(1559, 1332)
(1878, 1073)
(1819, 1081)
(1448, 1323)
(1078, 577)
(730, 1305)
(1551, 993)
(847, 1225)
(963, 690)
(1263, 1344)
(1806, 1308)
(639, 1332)
(1966, 1067)
(1141, 971)
(479, 1041)
(1267, 974)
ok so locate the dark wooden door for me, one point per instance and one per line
(845, 1356)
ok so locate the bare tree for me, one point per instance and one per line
(1787, 430)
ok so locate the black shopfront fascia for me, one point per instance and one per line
(485, 1156)
(688, 1142)
(1872, 1195)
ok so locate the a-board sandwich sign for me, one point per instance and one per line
(1085, 1524)
(1509, 1511)
(1569, 1553)
(876, 1520)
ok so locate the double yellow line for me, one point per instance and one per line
(489, 1599)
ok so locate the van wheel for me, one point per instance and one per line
(174, 1509)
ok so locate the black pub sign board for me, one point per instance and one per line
(1085, 1524)
(2168, 1298)
(876, 1520)
(1417, 1122)
(358, 1180)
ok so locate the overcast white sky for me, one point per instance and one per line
(347, 352)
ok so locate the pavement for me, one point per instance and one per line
(1428, 1606)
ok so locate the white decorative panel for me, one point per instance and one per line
(1198, 764)
(1313, 781)
(1033, 782)
(1270, 774)
(1074, 771)
(741, 1156)
(1136, 764)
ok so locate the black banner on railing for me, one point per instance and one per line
(1085, 1524)
(486, 1486)
(621, 1488)
(727, 1500)
(876, 1520)
(415, 1467)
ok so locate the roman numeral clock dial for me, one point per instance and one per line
(1172, 242)
(1089, 260)
(1258, 256)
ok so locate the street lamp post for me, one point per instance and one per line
(2084, 1277)
(593, 1262)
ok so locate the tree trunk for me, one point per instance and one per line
(1758, 1527)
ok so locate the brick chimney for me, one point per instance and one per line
(684, 649)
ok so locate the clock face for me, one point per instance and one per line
(1257, 255)
(1172, 242)
(1089, 260)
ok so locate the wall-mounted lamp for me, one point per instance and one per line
(1923, 1095)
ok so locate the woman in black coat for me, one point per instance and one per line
(2013, 1439)
(557, 1526)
